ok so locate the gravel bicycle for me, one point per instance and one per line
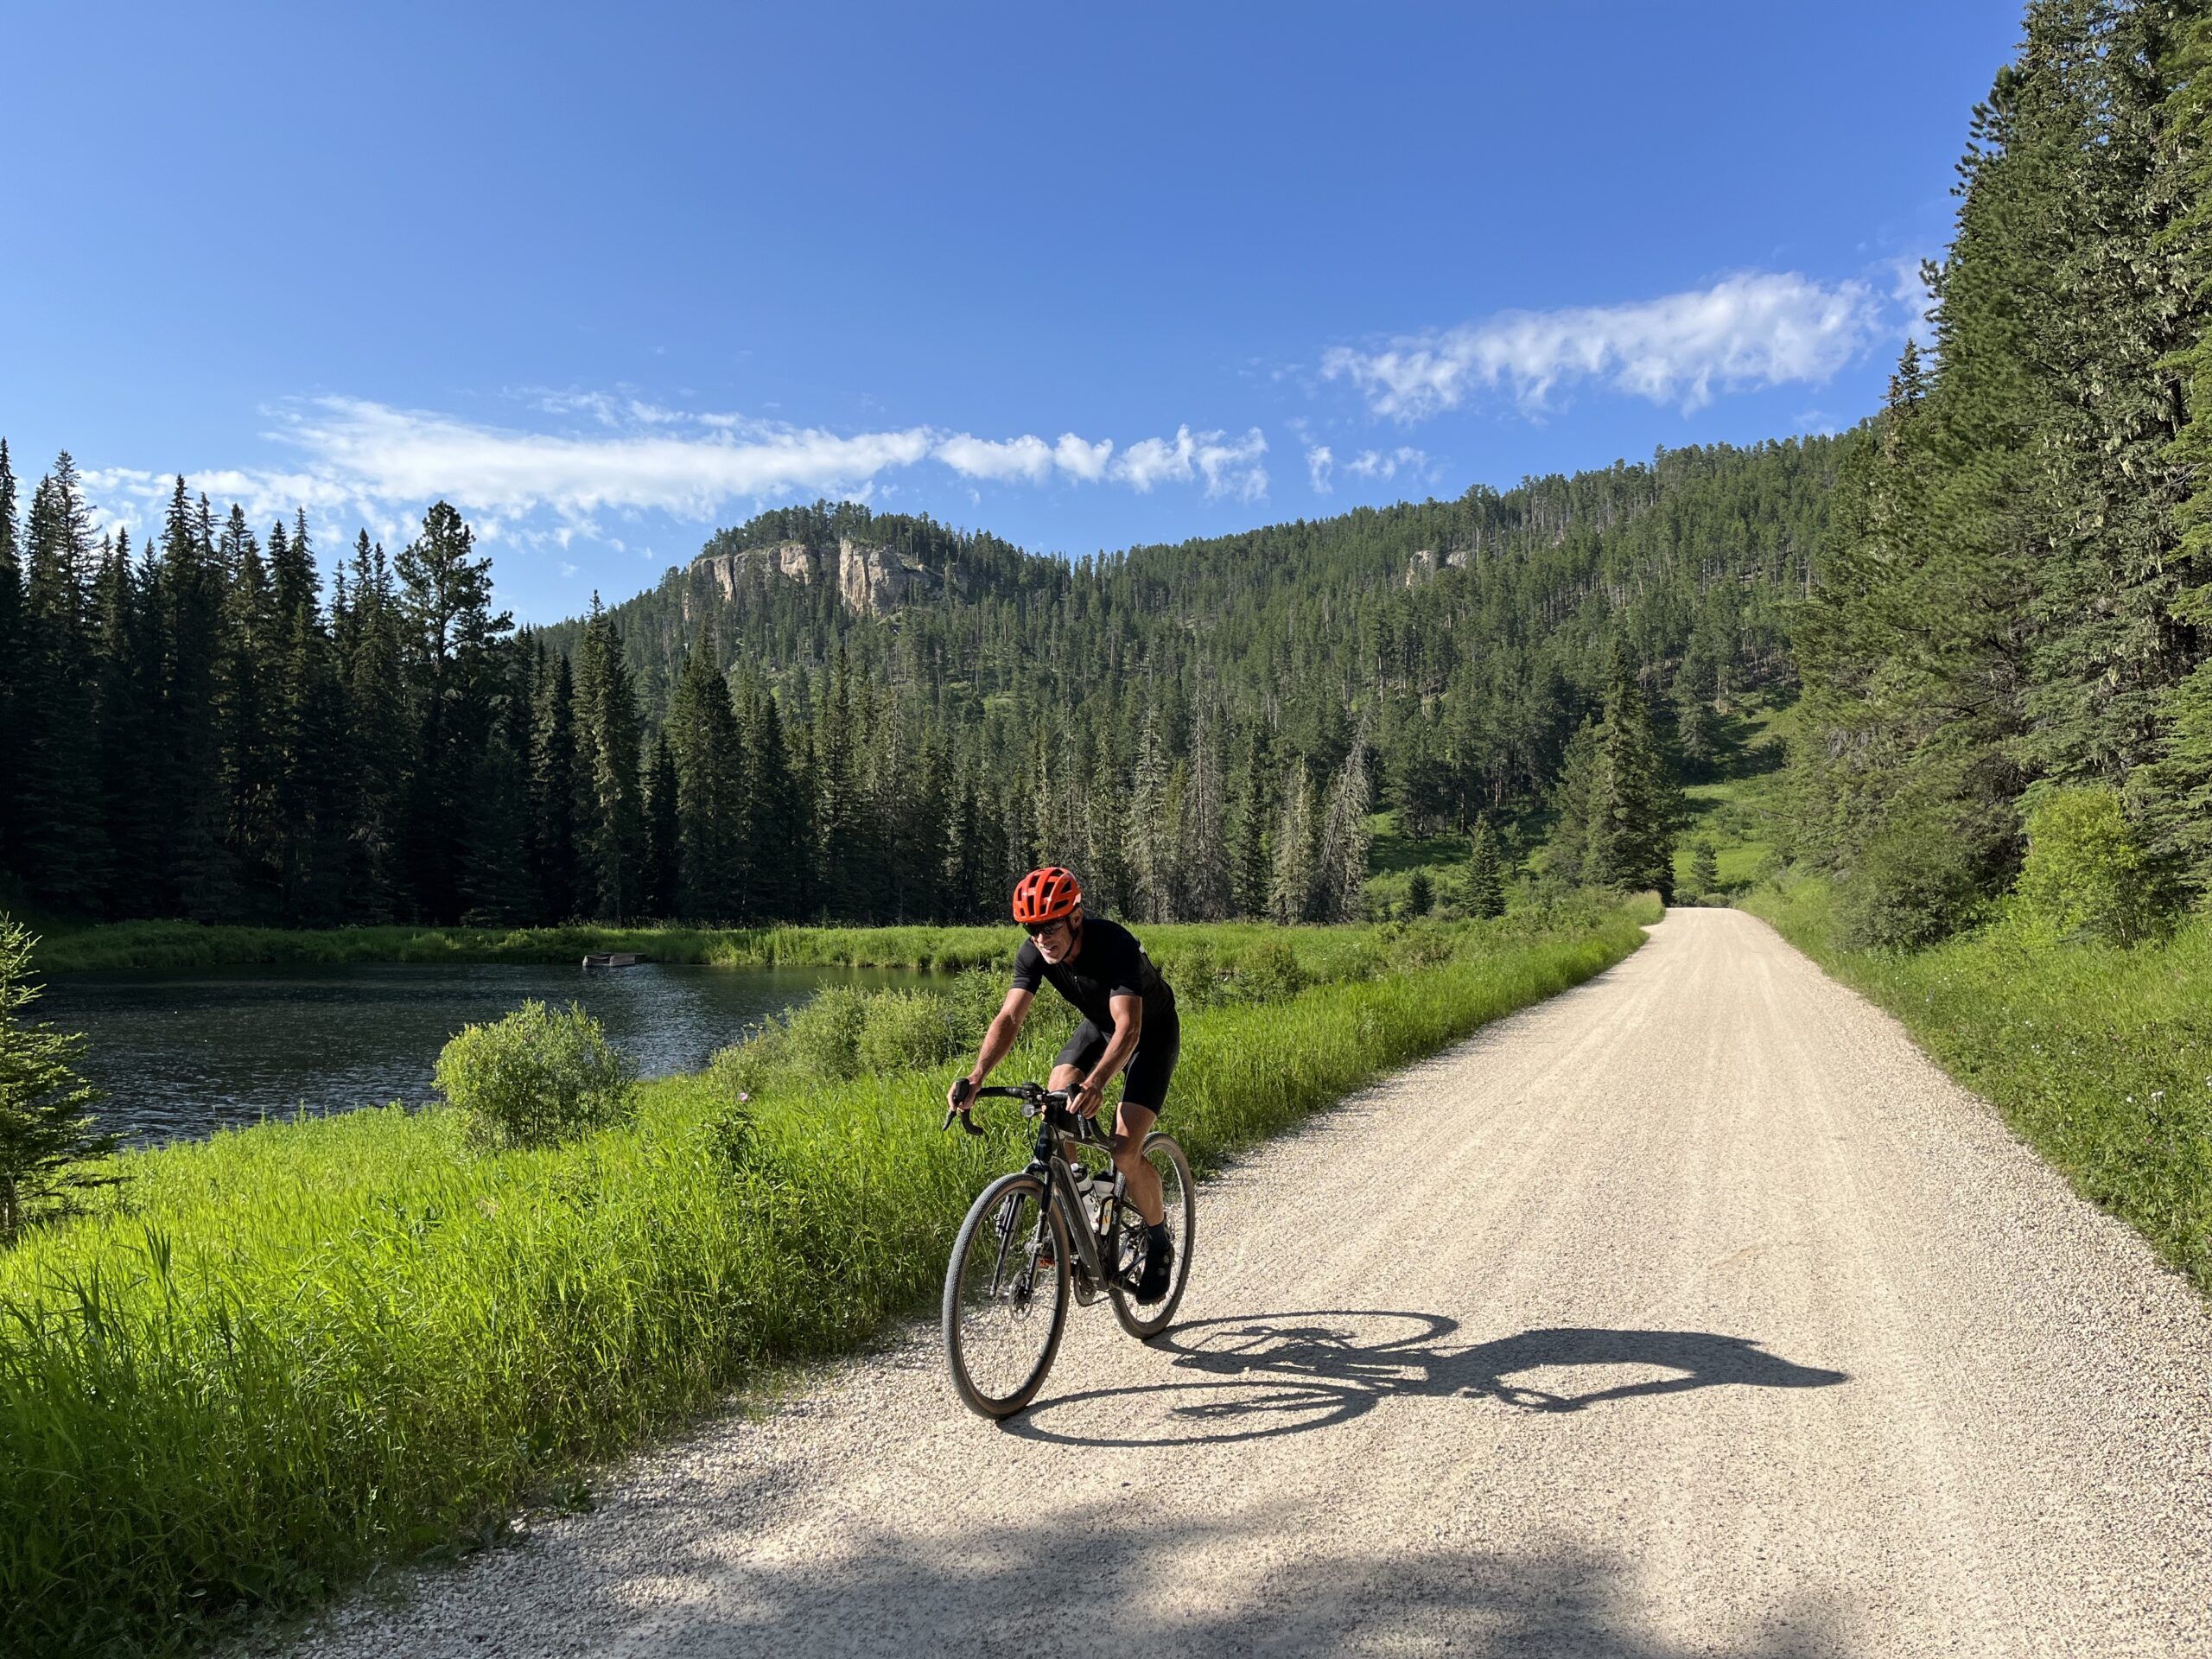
(1061, 1225)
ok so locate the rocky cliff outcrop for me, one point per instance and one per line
(1425, 563)
(733, 572)
(871, 578)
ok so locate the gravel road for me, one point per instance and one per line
(1692, 1312)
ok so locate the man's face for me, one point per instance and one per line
(1055, 939)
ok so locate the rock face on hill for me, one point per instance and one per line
(870, 578)
(1424, 564)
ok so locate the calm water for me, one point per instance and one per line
(183, 1053)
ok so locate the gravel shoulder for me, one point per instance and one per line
(1693, 1312)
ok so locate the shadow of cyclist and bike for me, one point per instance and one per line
(1259, 1377)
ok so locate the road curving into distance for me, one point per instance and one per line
(1691, 1313)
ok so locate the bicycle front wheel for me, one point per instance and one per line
(1005, 1296)
(1179, 1192)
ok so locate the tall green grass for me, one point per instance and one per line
(302, 1347)
(941, 950)
(2097, 1056)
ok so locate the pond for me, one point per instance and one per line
(183, 1053)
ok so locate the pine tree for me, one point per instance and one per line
(2106, 646)
(553, 792)
(707, 747)
(659, 879)
(126, 712)
(2173, 794)
(451, 636)
(378, 736)
(14, 657)
(199, 875)
(834, 785)
(247, 685)
(1201, 840)
(1148, 837)
(1250, 865)
(1291, 883)
(1705, 867)
(496, 886)
(1340, 873)
(1485, 878)
(777, 829)
(1635, 806)
(48, 1139)
(60, 852)
(611, 828)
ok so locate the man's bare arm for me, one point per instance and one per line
(1129, 1026)
(1006, 1025)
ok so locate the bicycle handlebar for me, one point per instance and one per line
(1035, 1097)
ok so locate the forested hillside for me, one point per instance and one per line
(2016, 610)
(840, 714)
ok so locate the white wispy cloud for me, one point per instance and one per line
(1752, 330)
(1319, 461)
(1376, 463)
(1230, 466)
(1026, 458)
(372, 462)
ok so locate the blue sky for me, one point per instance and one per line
(1084, 277)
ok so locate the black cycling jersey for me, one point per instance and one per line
(1111, 963)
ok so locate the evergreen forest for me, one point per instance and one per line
(201, 726)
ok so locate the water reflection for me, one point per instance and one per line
(183, 1053)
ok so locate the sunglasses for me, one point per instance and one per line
(1038, 930)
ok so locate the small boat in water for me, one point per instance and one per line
(613, 959)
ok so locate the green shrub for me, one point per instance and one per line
(2084, 878)
(1918, 880)
(537, 1078)
(910, 1030)
(824, 1038)
(1270, 971)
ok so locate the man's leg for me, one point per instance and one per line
(1131, 1125)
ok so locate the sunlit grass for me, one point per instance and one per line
(300, 1347)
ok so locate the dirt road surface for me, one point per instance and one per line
(1692, 1312)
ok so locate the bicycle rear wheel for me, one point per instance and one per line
(1005, 1296)
(1179, 1192)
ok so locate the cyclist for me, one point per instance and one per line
(1128, 1019)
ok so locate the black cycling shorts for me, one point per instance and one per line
(1145, 1080)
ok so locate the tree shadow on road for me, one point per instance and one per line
(1083, 1576)
(1294, 1373)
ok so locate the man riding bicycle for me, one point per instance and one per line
(1128, 1019)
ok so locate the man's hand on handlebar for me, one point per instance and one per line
(1086, 1098)
(958, 1099)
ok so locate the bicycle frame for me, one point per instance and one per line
(1049, 1164)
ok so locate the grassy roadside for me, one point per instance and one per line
(307, 1346)
(2098, 1057)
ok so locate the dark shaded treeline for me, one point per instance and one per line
(199, 726)
(2019, 600)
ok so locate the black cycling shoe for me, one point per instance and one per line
(1158, 1270)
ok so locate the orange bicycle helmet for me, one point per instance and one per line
(1046, 895)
